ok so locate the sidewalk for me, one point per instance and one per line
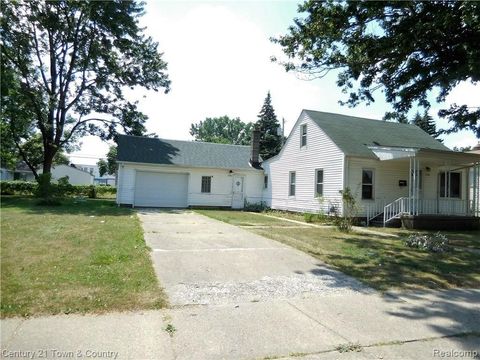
(414, 325)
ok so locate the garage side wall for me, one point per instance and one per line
(221, 184)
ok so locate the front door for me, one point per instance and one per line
(237, 196)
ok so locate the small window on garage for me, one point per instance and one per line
(265, 182)
(206, 184)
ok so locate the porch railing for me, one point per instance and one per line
(406, 205)
(395, 209)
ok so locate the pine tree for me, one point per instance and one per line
(426, 123)
(270, 139)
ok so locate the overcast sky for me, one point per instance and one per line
(218, 56)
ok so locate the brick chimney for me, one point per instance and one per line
(255, 147)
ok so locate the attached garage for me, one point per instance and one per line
(157, 189)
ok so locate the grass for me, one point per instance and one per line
(469, 239)
(240, 218)
(381, 262)
(82, 256)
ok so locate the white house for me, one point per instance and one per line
(75, 176)
(106, 179)
(392, 170)
(171, 173)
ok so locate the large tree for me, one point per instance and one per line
(224, 130)
(426, 123)
(267, 123)
(407, 49)
(110, 165)
(68, 64)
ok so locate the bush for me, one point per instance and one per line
(61, 189)
(17, 187)
(316, 218)
(255, 207)
(430, 242)
(350, 211)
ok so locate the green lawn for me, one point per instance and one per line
(240, 218)
(87, 256)
(381, 262)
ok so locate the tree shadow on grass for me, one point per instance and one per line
(387, 263)
(68, 206)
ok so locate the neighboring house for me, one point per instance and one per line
(170, 173)
(75, 176)
(392, 169)
(22, 172)
(106, 179)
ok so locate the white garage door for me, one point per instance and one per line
(161, 189)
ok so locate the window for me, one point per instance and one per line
(291, 191)
(303, 135)
(206, 184)
(453, 181)
(318, 182)
(367, 184)
(265, 181)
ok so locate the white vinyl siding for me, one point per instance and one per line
(320, 153)
(221, 184)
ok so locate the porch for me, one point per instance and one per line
(437, 184)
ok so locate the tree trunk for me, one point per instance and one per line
(49, 154)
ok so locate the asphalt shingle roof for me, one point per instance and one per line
(353, 134)
(182, 153)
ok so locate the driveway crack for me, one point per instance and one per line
(318, 322)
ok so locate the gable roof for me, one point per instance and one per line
(353, 135)
(182, 153)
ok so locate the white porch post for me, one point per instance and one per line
(410, 187)
(476, 190)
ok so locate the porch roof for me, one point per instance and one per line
(433, 156)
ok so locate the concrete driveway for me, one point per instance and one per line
(200, 260)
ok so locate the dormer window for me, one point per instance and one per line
(303, 135)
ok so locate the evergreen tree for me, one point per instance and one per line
(426, 123)
(270, 139)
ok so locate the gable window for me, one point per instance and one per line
(452, 181)
(318, 182)
(265, 182)
(206, 184)
(303, 135)
(367, 184)
(291, 190)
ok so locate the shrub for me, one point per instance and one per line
(17, 187)
(255, 207)
(60, 189)
(350, 211)
(308, 217)
(316, 217)
(430, 242)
